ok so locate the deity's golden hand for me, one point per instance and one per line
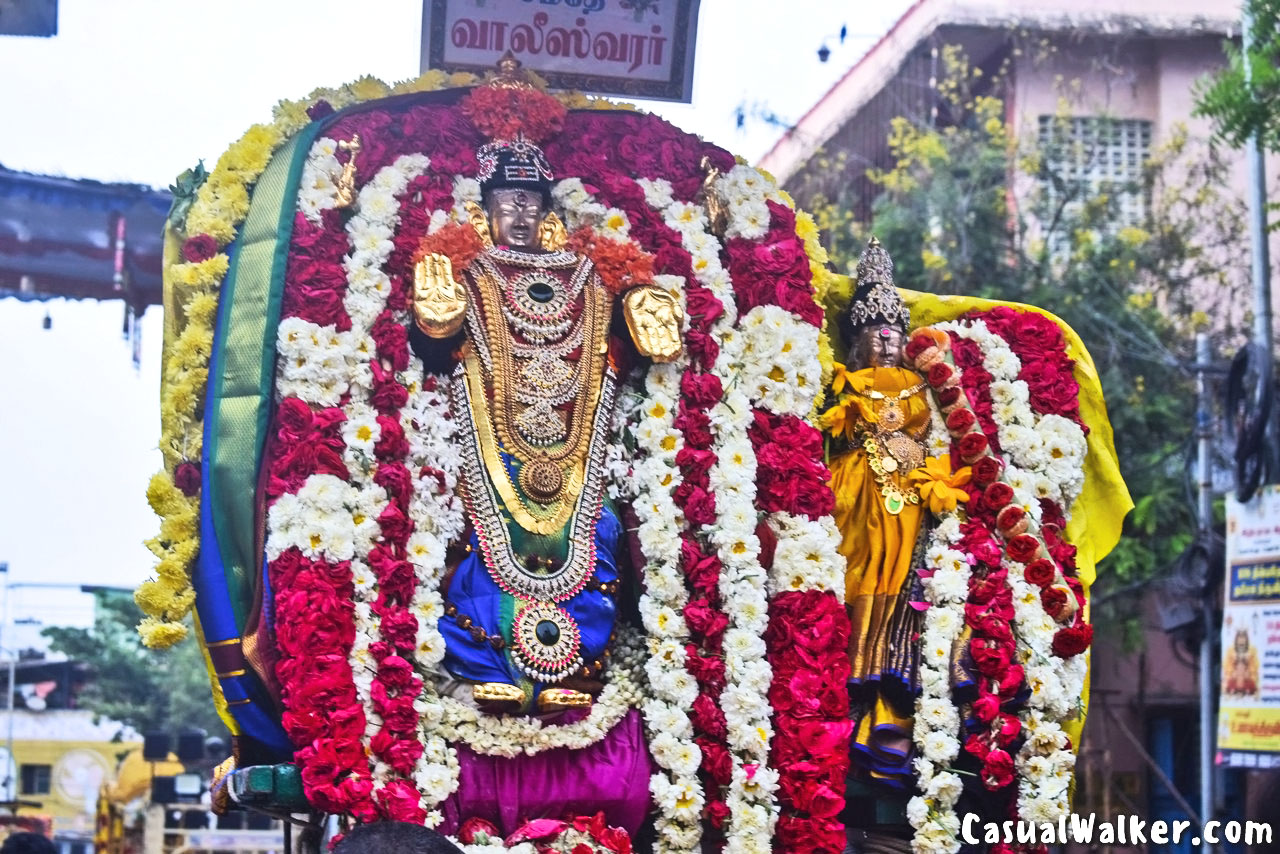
(654, 317)
(439, 301)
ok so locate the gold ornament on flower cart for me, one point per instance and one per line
(480, 222)
(347, 180)
(717, 210)
(552, 235)
(510, 74)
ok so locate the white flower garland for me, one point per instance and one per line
(1044, 459)
(807, 555)
(318, 185)
(744, 701)
(780, 369)
(512, 735)
(676, 790)
(746, 191)
(369, 235)
(438, 518)
(936, 722)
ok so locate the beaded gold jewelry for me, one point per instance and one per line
(524, 432)
(895, 499)
(889, 449)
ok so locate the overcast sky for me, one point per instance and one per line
(138, 90)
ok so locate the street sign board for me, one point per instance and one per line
(634, 48)
(28, 17)
(1249, 703)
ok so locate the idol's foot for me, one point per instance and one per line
(559, 699)
(497, 696)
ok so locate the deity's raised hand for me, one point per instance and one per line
(654, 317)
(439, 300)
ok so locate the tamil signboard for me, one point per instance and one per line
(28, 17)
(1249, 704)
(635, 48)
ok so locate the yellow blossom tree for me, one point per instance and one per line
(968, 206)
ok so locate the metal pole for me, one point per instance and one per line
(1257, 206)
(1204, 519)
(10, 784)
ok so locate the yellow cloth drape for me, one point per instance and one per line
(877, 546)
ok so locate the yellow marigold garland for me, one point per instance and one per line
(823, 283)
(220, 207)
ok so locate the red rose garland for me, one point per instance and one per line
(998, 534)
(310, 443)
(1046, 368)
(313, 599)
(808, 632)
(396, 685)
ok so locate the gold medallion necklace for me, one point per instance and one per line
(549, 475)
(890, 449)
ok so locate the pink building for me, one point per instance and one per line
(1137, 65)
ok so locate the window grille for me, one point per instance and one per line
(1086, 157)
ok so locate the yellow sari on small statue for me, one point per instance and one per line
(880, 518)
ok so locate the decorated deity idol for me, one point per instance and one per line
(958, 462)
(530, 606)
(883, 418)
(490, 473)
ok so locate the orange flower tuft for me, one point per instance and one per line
(500, 113)
(621, 265)
(456, 241)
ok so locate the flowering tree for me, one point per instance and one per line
(972, 207)
(131, 684)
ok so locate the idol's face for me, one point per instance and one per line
(877, 347)
(515, 217)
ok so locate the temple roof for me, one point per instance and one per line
(58, 235)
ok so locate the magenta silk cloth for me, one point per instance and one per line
(611, 775)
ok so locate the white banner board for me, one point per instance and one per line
(634, 48)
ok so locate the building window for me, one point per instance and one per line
(1086, 157)
(35, 779)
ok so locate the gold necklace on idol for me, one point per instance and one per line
(890, 449)
(531, 380)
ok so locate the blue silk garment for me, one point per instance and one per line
(475, 594)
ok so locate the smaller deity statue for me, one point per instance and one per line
(530, 604)
(885, 419)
